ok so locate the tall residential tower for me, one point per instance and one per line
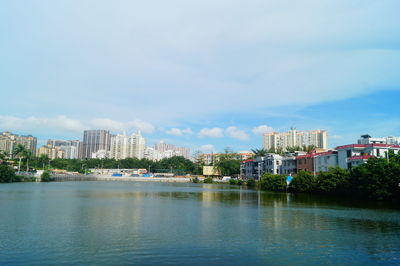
(94, 141)
(293, 138)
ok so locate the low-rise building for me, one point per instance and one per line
(325, 160)
(270, 163)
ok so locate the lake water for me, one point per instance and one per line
(116, 223)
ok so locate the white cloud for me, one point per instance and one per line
(215, 132)
(304, 53)
(117, 126)
(236, 133)
(174, 131)
(262, 129)
(207, 148)
(179, 132)
(187, 131)
(35, 124)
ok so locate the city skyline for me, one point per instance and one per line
(203, 83)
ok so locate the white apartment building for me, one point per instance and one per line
(324, 160)
(72, 149)
(123, 146)
(152, 154)
(168, 150)
(100, 154)
(355, 154)
(270, 163)
(292, 138)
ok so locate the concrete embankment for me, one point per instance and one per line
(62, 178)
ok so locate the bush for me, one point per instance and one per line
(273, 182)
(208, 180)
(376, 179)
(239, 182)
(233, 181)
(195, 180)
(251, 183)
(46, 177)
(334, 181)
(7, 174)
(303, 182)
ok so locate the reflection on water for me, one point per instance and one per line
(134, 223)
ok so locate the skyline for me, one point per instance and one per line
(200, 74)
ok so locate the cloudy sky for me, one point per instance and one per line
(205, 74)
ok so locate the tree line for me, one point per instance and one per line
(377, 179)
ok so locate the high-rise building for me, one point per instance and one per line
(72, 148)
(168, 150)
(51, 152)
(56, 142)
(293, 138)
(9, 141)
(123, 146)
(95, 140)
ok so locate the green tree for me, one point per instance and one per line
(7, 174)
(273, 182)
(20, 152)
(259, 152)
(303, 182)
(228, 164)
(334, 181)
(208, 180)
(46, 177)
(251, 183)
(376, 179)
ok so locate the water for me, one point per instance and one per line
(116, 223)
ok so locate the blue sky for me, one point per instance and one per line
(203, 74)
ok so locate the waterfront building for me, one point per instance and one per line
(355, 154)
(317, 161)
(95, 140)
(293, 138)
(9, 141)
(210, 158)
(270, 163)
(123, 146)
(393, 140)
(325, 160)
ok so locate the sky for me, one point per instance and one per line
(203, 74)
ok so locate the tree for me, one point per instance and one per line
(259, 152)
(20, 152)
(198, 162)
(251, 183)
(228, 163)
(303, 182)
(46, 177)
(334, 181)
(376, 179)
(273, 182)
(7, 174)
